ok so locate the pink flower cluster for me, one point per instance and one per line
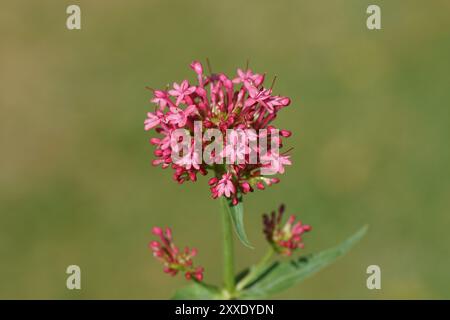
(222, 103)
(173, 259)
(284, 239)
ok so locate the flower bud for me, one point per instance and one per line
(197, 67)
(260, 185)
(213, 181)
(285, 133)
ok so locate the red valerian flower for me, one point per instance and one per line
(173, 259)
(181, 91)
(223, 186)
(223, 104)
(284, 238)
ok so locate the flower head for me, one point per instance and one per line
(173, 259)
(226, 105)
(284, 238)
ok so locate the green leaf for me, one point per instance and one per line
(197, 291)
(282, 275)
(237, 217)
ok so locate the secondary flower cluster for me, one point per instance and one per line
(284, 239)
(173, 259)
(220, 103)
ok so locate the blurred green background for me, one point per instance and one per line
(369, 115)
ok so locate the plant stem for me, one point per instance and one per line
(256, 270)
(228, 251)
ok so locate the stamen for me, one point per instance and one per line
(273, 82)
(209, 66)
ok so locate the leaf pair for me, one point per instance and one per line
(277, 276)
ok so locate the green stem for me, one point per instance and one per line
(256, 270)
(228, 251)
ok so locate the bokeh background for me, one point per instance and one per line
(369, 115)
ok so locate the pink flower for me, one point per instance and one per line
(224, 186)
(262, 97)
(236, 148)
(276, 162)
(284, 238)
(179, 117)
(153, 120)
(190, 160)
(247, 77)
(181, 91)
(173, 259)
(161, 98)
